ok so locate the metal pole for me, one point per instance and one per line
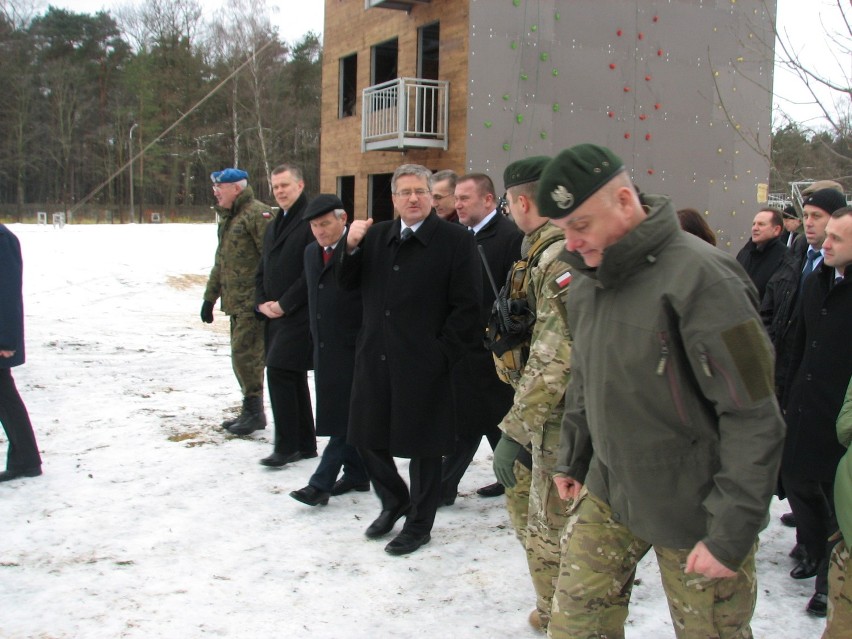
(130, 137)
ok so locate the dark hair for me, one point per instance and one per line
(777, 217)
(484, 185)
(294, 170)
(846, 210)
(693, 222)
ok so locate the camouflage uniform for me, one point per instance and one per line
(839, 622)
(596, 578)
(241, 230)
(536, 414)
(518, 502)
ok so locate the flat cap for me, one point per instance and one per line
(322, 204)
(573, 176)
(829, 200)
(790, 213)
(524, 171)
(228, 176)
(819, 185)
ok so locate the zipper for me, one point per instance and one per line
(671, 375)
(707, 362)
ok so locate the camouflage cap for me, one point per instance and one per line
(524, 171)
(322, 204)
(227, 176)
(573, 176)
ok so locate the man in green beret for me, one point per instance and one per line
(538, 370)
(671, 436)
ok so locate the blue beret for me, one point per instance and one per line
(227, 176)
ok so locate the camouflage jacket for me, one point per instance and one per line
(540, 392)
(241, 230)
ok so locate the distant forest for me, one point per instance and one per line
(82, 92)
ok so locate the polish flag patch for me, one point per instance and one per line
(564, 280)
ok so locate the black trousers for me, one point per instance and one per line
(425, 476)
(455, 465)
(23, 450)
(291, 409)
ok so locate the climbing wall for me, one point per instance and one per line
(681, 90)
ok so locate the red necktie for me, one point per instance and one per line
(326, 254)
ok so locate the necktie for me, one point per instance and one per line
(405, 234)
(326, 254)
(471, 230)
(809, 263)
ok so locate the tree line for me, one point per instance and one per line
(183, 91)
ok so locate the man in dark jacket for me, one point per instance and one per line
(480, 397)
(420, 288)
(762, 254)
(282, 299)
(22, 458)
(335, 317)
(822, 362)
(242, 223)
(670, 422)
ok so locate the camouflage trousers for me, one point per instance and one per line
(599, 558)
(839, 622)
(518, 502)
(247, 353)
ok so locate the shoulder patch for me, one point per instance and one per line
(267, 214)
(563, 280)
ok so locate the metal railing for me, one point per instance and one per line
(405, 113)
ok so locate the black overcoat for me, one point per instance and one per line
(335, 318)
(421, 314)
(481, 399)
(822, 360)
(281, 277)
(11, 299)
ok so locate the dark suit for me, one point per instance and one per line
(335, 318)
(23, 451)
(421, 306)
(280, 277)
(481, 399)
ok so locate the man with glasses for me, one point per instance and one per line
(443, 185)
(420, 287)
(242, 223)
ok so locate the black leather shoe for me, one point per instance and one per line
(308, 455)
(789, 520)
(8, 475)
(448, 499)
(491, 490)
(818, 605)
(345, 485)
(805, 569)
(384, 522)
(798, 553)
(280, 459)
(310, 496)
(405, 543)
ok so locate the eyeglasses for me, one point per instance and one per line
(218, 187)
(406, 193)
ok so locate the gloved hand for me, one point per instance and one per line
(207, 312)
(504, 460)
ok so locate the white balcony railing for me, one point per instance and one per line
(406, 113)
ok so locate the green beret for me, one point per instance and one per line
(524, 171)
(573, 176)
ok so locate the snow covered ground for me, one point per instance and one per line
(150, 521)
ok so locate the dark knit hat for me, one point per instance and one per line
(524, 171)
(829, 200)
(227, 176)
(322, 204)
(789, 212)
(573, 176)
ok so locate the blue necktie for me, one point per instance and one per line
(405, 234)
(809, 264)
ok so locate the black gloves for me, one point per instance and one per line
(207, 312)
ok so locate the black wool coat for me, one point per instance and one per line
(761, 262)
(335, 318)
(481, 399)
(421, 315)
(281, 277)
(11, 299)
(822, 361)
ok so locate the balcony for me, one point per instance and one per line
(404, 5)
(406, 113)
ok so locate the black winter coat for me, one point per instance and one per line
(281, 277)
(822, 361)
(481, 399)
(760, 262)
(421, 315)
(335, 318)
(11, 299)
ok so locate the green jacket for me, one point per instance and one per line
(671, 387)
(241, 230)
(843, 479)
(540, 392)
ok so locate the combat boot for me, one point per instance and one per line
(230, 422)
(252, 418)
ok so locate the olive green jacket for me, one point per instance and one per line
(670, 414)
(241, 230)
(843, 479)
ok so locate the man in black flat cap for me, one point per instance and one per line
(671, 428)
(335, 317)
(242, 223)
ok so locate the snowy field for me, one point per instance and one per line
(151, 522)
